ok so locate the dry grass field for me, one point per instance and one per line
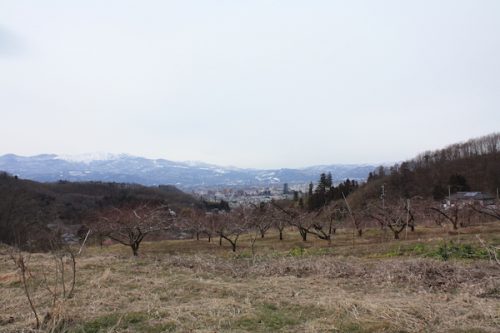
(373, 284)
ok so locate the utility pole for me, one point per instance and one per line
(352, 218)
(382, 196)
(407, 217)
(449, 195)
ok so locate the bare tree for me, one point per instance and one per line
(192, 220)
(129, 225)
(356, 222)
(279, 217)
(455, 214)
(396, 216)
(59, 279)
(298, 218)
(489, 211)
(211, 224)
(324, 222)
(21, 261)
(261, 217)
(230, 226)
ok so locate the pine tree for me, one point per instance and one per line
(329, 181)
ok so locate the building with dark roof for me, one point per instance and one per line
(482, 198)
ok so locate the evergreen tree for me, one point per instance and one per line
(301, 203)
(329, 181)
(439, 192)
(322, 184)
(458, 183)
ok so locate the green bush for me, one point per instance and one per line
(458, 251)
(297, 251)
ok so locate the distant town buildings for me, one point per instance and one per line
(250, 195)
(285, 189)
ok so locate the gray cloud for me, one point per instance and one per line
(257, 84)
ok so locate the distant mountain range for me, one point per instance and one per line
(125, 168)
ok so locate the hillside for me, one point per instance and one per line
(30, 211)
(375, 285)
(469, 166)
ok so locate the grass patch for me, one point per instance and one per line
(291, 286)
(300, 251)
(355, 327)
(270, 317)
(467, 330)
(451, 250)
(443, 251)
(134, 321)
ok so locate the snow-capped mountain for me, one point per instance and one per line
(90, 157)
(134, 169)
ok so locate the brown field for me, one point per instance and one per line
(373, 284)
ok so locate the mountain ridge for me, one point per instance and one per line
(135, 169)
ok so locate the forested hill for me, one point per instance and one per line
(470, 166)
(29, 208)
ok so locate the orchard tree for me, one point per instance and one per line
(455, 214)
(230, 226)
(296, 217)
(262, 218)
(491, 211)
(280, 220)
(192, 220)
(324, 222)
(130, 224)
(394, 215)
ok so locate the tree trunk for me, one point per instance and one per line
(281, 235)
(360, 232)
(303, 233)
(197, 236)
(135, 249)
(396, 235)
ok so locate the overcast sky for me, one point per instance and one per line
(248, 83)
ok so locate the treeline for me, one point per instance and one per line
(325, 191)
(472, 165)
(32, 212)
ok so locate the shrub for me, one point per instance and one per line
(458, 251)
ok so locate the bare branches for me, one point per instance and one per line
(490, 211)
(129, 225)
(457, 215)
(395, 216)
(58, 279)
(491, 250)
(21, 262)
(355, 222)
(262, 217)
(296, 217)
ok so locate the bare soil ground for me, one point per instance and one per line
(373, 284)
